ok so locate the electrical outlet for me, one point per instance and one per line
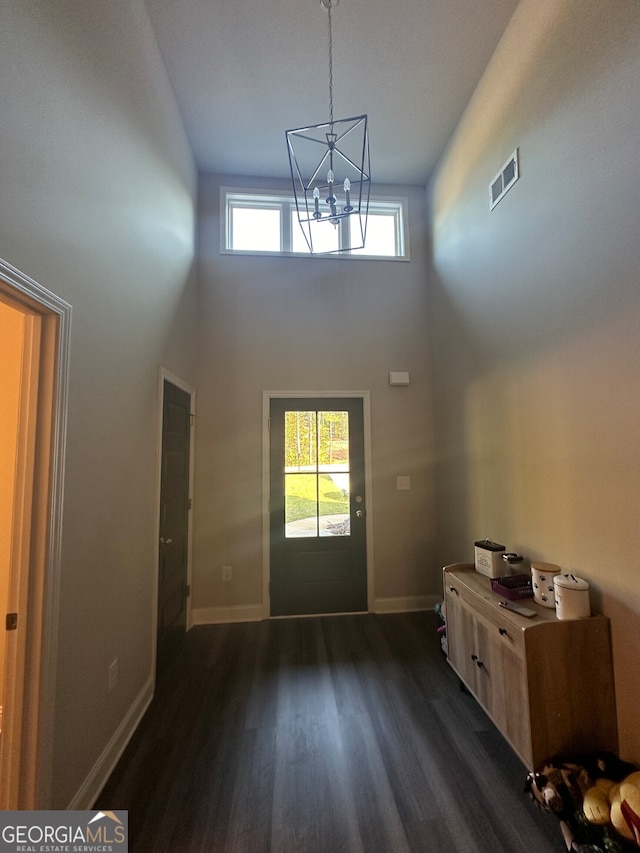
(226, 573)
(113, 671)
(403, 483)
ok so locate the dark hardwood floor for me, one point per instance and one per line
(321, 735)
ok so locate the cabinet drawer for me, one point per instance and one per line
(507, 626)
(501, 632)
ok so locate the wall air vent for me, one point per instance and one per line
(504, 180)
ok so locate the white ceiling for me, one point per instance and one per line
(244, 72)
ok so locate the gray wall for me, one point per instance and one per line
(272, 323)
(536, 310)
(97, 186)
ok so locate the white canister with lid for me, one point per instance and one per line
(542, 575)
(572, 597)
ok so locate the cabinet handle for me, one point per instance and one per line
(453, 589)
(502, 631)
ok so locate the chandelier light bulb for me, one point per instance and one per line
(347, 192)
(331, 199)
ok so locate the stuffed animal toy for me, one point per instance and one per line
(559, 787)
(616, 803)
(630, 804)
(580, 791)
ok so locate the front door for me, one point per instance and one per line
(317, 507)
(174, 522)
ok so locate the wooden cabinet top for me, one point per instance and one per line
(480, 586)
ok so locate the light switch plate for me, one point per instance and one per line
(403, 483)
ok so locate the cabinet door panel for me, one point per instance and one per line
(517, 725)
(487, 666)
(461, 639)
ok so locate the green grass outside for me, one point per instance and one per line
(300, 498)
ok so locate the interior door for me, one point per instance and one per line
(174, 522)
(317, 507)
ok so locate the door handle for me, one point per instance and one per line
(164, 541)
(359, 513)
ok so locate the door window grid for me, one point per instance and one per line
(316, 474)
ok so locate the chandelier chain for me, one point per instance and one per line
(330, 66)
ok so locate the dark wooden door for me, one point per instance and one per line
(174, 522)
(317, 507)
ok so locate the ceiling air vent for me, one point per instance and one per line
(504, 180)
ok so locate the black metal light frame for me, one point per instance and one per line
(331, 172)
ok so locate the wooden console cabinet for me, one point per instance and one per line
(546, 684)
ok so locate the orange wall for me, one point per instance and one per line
(11, 342)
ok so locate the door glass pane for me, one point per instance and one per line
(334, 504)
(316, 474)
(300, 444)
(301, 505)
(333, 441)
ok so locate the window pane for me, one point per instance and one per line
(300, 441)
(255, 229)
(326, 237)
(333, 441)
(381, 236)
(334, 504)
(300, 505)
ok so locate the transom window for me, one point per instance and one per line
(260, 223)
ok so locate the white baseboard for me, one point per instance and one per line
(407, 604)
(104, 766)
(253, 612)
(217, 615)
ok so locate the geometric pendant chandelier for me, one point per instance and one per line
(331, 175)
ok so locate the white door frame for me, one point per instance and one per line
(26, 763)
(164, 374)
(267, 396)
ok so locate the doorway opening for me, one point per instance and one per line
(34, 338)
(175, 471)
